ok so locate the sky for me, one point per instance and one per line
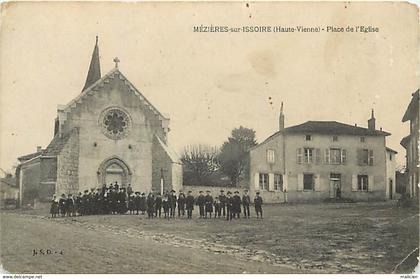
(209, 83)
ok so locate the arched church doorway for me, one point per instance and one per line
(114, 170)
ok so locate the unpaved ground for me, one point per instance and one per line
(344, 238)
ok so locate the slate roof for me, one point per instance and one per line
(412, 108)
(171, 153)
(327, 128)
(57, 144)
(391, 150)
(405, 141)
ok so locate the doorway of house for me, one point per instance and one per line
(335, 185)
(390, 189)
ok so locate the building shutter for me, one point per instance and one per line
(300, 182)
(317, 185)
(370, 183)
(370, 157)
(359, 157)
(354, 183)
(327, 156)
(299, 155)
(271, 181)
(285, 183)
(343, 156)
(257, 181)
(317, 156)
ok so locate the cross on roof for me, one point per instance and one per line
(116, 60)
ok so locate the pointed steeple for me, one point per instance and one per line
(371, 122)
(94, 73)
(281, 118)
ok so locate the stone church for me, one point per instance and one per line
(109, 133)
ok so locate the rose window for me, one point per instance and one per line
(115, 123)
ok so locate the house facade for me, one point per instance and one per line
(109, 133)
(318, 160)
(411, 144)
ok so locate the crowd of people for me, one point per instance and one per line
(120, 200)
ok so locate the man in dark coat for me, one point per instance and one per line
(137, 202)
(229, 203)
(143, 203)
(189, 204)
(222, 199)
(181, 204)
(172, 203)
(158, 205)
(85, 203)
(258, 205)
(70, 205)
(208, 203)
(78, 203)
(201, 200)
(246, 201)
(236, 205)
(62, 205)
(150, 205)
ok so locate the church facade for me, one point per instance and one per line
(109, 133)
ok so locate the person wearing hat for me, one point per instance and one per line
(236, 205)
(246, 201)
(258, 201)
(217, 207)
(189, 204)
(201, 200)
(54, 207)
(143, 204)
(62, 205)
(78, 204)
(181, 204)
(137, 202)
(85, 201)
(158, 205)
(131, 206)
(229, 202)
(209, 203)
(165, 205)
(222, 199)
(70, 205)
(150, 205)
(172, 203)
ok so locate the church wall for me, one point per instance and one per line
(135, 149)
(161, 162)
(68, 167)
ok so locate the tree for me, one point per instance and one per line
(233, 158)
(200, 165)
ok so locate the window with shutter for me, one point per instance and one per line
(354, 183)
(285, 183)
(370, 183)
(327, 156)
(317, 185)
(270, 156)
(343, 156)
(300, 182)
(370, 157)
(271, 181)
(299, 155)
(359, 156)
(257, 181)
(308, 181)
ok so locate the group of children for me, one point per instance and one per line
(120, 200)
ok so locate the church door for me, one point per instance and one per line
(114, 170)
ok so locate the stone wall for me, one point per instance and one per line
(68, 167)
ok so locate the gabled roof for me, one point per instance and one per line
(391, 150)
(405, 141)
(327, 128)
(413, 108)
(29, 156)
(170, 152)
(57, 144)
(114, 73)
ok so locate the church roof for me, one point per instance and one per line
(171, 153)
(57, 144)
(94, 72)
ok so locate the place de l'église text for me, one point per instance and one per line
(284, 29)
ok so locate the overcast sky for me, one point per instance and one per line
(209, 83)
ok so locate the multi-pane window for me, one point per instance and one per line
(335, 138)
(335, 155)
(271, 156)
(362, 139)
(264, 181)
(365, 157)
(308, 181)
(362, 182)
(308, 137)
(308, 153)
(278, 182)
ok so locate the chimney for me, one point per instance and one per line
(38, 148)
(281, 118)
(371, 122)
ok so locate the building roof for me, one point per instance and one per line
(10, 181)
(405, 141)
(169, 151)
(413, 107)
(29, 156)
(327, 128)
(57, 144)
(94, 72)
(391, 150)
